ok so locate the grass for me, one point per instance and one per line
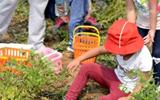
(39, 82)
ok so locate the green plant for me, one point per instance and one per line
(149, 90)
(108, 11)
(31, 82)
(107, 60)
(39, 80)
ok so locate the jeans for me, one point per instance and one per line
(155, 53)
(78, 10)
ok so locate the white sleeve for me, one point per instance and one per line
(146, 61)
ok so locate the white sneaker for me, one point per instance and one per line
(70, 49)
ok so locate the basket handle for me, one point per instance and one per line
(86, 26)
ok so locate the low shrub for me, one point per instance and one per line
(30, 83)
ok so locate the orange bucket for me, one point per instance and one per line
(84, 41)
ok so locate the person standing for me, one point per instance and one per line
(80, 11)
(36, 25)
(148, 22)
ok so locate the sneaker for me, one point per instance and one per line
(58, 22)
(53, 56)
(91, 20)
(70, 49)
(5, 38)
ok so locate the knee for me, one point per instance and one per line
(89, 67)
(85, 66)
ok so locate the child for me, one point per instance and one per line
(131, 54)
(148, 22)
(80, 11)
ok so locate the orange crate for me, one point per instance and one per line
(19, 52)
(84, 41)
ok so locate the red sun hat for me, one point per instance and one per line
(123, 38)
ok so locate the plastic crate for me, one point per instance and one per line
(55, 57)
(18, 52)
(84, 41)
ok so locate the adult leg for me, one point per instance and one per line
(7, 7)
(104, 76)
(37, 24)
(77, 14)
(156, 57)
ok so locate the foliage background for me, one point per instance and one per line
(105, 11)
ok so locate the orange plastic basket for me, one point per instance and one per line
(18, 52)
(84, 41)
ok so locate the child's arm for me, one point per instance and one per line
(131, 12)
(149, 39)
(89, 54)
(145, 76)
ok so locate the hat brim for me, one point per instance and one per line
(133, 47)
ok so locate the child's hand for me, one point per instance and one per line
(73, 65)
